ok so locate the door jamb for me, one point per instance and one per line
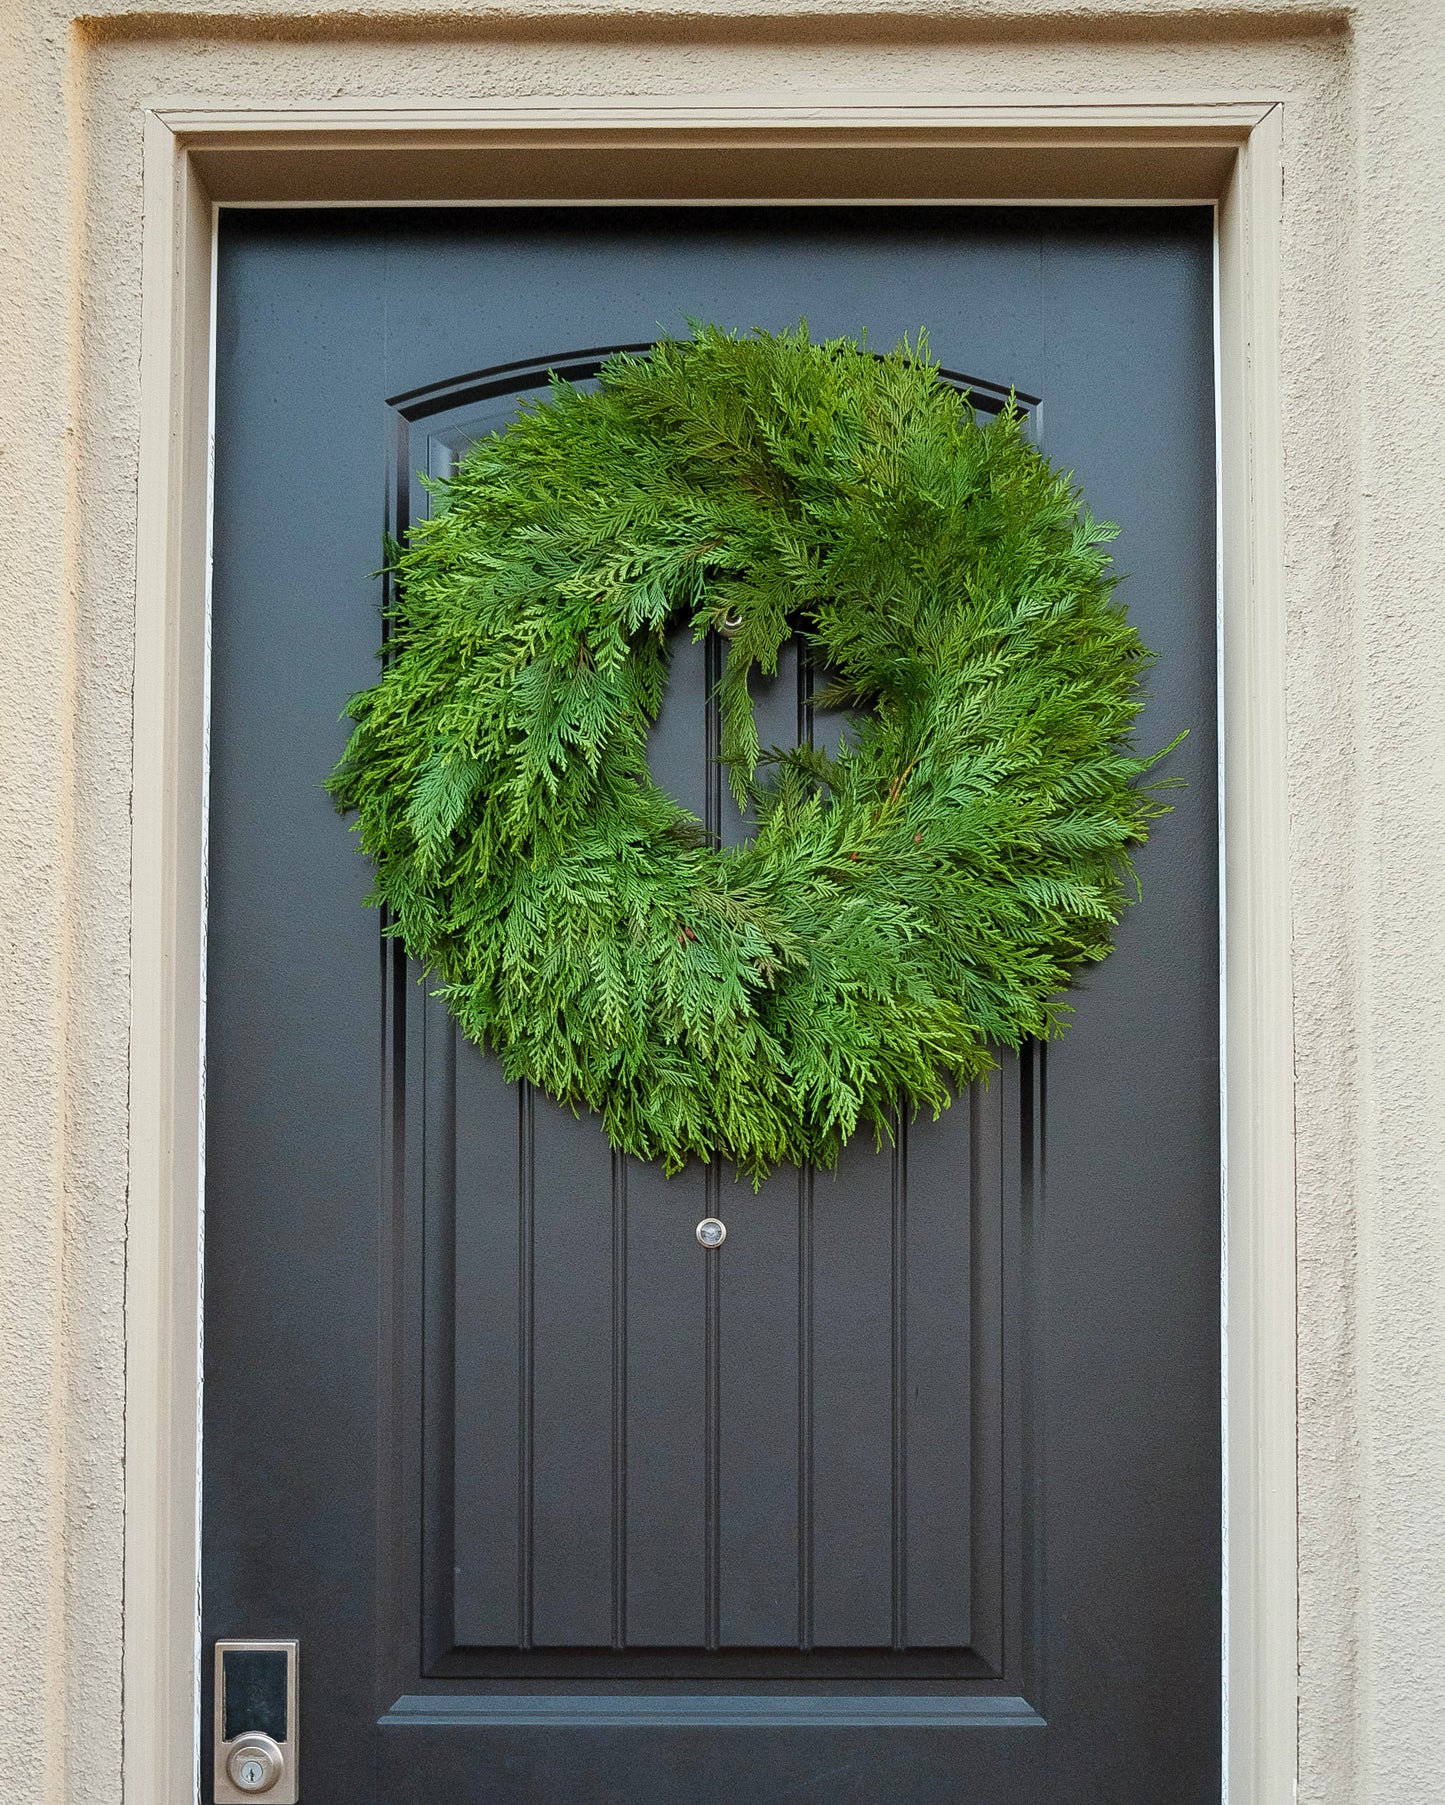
(1225, 149)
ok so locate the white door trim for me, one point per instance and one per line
(1147, 149)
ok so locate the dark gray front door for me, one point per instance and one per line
(911, 1492)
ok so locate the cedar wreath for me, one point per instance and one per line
(902, 906)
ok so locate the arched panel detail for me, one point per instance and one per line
(808, 1467)
(433, 425)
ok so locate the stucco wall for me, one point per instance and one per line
(1363, 328)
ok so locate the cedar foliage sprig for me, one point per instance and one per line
(925, 893)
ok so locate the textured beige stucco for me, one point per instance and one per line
(1363, 329)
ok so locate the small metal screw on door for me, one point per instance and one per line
(711, 1233)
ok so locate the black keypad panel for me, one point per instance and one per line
(255, 1695)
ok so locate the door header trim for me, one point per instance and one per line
(1003, 151)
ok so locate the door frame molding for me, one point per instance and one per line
(1224, 149)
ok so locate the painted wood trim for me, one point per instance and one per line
(706, 1711)
(1258, 1028)
(1021, 117)
(1225, 147)
(164, 1217)
(720, 150)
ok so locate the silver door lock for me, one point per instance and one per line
(255, 1764)
(256, 1742)
(711, 1232)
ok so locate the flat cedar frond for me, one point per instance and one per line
(902, 906)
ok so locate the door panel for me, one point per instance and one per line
(646, 1449)
(793, 1446)
(911, 1490)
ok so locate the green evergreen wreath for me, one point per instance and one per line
(902, 906)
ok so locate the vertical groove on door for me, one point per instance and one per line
(805, 1407)
(986, 1599)
(526, 1298)
(937, 1337)
(900, 1383)
(712, 1429)
(619, 1399)
(714, 656)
